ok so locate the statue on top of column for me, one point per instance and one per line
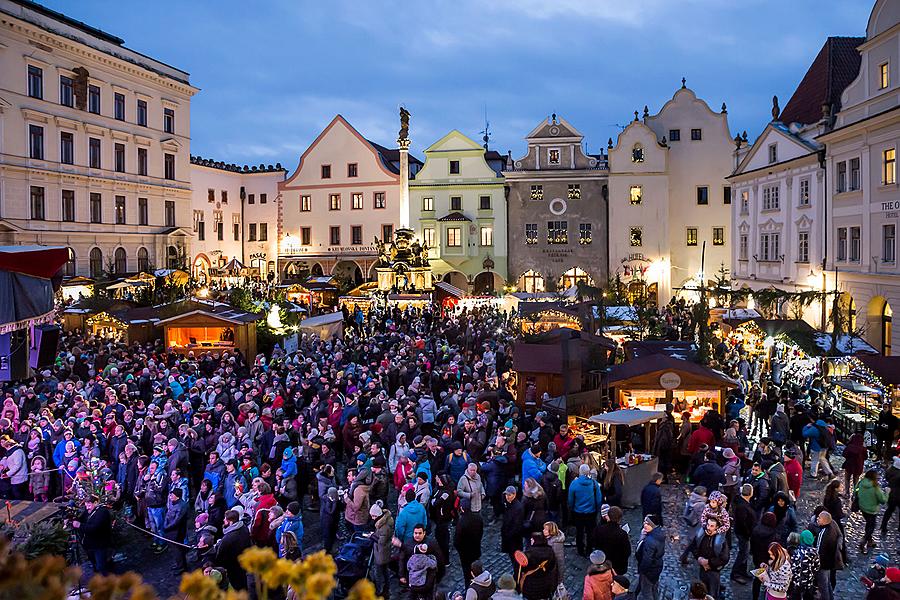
(404, 124)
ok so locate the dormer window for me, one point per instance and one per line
(773, 153)
(454, 167)
(553, 156)
(637, 154)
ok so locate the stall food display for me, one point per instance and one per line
(205, 325)
(538, 317)
(859, 392)
(637, 469)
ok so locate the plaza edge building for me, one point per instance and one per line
(344, 193)
(95, 145)
(668, 195)
(861, 257)
(779, 184)
(556, 211)
(458, 208)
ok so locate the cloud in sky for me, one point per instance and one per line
(273, 74)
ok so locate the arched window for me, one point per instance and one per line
(70, 264)
(121, 261)
(573, 277)
(172, 257)
(143, 260)
(531, 282)
(887, 315)
(96, 262)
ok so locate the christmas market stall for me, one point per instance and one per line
(637, 468)
(76, 288)
(126, 326)
(323, 289)
(324, 326)
(860, 387)
(538, 317)
(651, 382)
(206, 325)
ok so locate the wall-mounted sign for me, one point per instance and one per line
(670, 380)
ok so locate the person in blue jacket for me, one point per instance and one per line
(60, 451)
(493, 472)
(818, 447)
(532, 465)
(292, 521)
(585, 500)
(651, 497)
(649, 555)
(410, 515)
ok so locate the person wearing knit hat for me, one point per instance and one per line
(604, 511)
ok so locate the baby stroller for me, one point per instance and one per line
(353, 561)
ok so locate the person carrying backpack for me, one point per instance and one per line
(820, 442)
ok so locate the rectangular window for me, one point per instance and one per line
(537, 192)
(771, 200)
(170, 213)
(210, 195)
(119, 106)
(454, 167)
(142, 161)
(251, 199)
(854, 244)
(68, 205)
(428, 236)
(236, 231)
(889, 166)
(743, 247)
(773, 153)
(169, 120)
(356, 235)
(585, 235)
(66, 91)
(804, 192)
(703, 195)
(718, 235)
(387, 232)
(674, 135)
(66, 148)
(143, 216)
(531, 233)
(356, 201)
(427, 204)
(854, 174)
(352, 170)
(636, 194)
(696, 134)
(557, 232)
(200, 228)
(691, 236)
(726, 194)
(36, 141)
(120, 210)
(335, 236)
(803, 247)
(842, 243)
(487, 236)
(455, 202)
(574, 191)
(35, 82)
(142, 113)
(96, 207)
(220, 231)
(263, 232)
(378, 199)
(169, 164)
(454, 237)
(120, 158)
(769, 246)
(334, 202)
(263, 198)
(326, 171)
(224, 196)
(745, 202)
(37, 203)
(484, 203)
(306, 236)
(840, 185)
(636, 237)
(305, 203)
(884, 79)
(251, 232)
(889, 243)
(553, 156)
(94, 99)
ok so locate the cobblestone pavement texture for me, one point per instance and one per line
(674, 583)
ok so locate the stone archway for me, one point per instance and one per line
(573, 277)
(316, 270)
(455, 278)
(531, 282)
(201, 267)
(879, 324)
(486, 283)
(348, 271)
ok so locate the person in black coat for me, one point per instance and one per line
(175, 527)
(538, 575)
(611, 539)
(711, 550)
(742, 524)
(467, 537)
(230, 547)
(763, 535)
(651, 497)
(709, 474)
(95, 528)
(511, 528)
(649, 556)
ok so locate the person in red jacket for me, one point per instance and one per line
(563, 440)
(855, 454)
(793, 468)
(701, 435)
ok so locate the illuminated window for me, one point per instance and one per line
(889, 166)
(718, 236)
(305, 203)
(803, 247)
(378, 199)
(120, 210)
(427, 204)
(356, 200)
(636, 194)
(428, 236)
(537, 192)
(585, 236)
(334, 202)
(531, 233)
(454, 237)
(636, 236)
(637, 154)
(557, 232)
(574, 191)
(691, 236)
(553, 156)
(487, 236)
(884, 79)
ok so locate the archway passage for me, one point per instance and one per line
(457, 279)
(573, 277)
(487, 282)
(531, 282)
(879, 330)
(316, 270)
(349, 272)
(201, 267)
(847, 312)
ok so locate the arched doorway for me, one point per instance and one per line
(201, 267)
(121, 261)
(487, 282)
(531, 282)
(316, 270)
(457, 279)
(348, 271)
(573, 277)
(171, 257)
(879, 316)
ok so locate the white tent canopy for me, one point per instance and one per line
(628, 417)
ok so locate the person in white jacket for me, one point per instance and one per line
(398, 449)
(13, 470)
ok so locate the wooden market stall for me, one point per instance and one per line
(651, 382)
(207, 325)
(76, 288)
(637, 469)
(538, 317)
(325, 325)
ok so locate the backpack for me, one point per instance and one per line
(826, 438)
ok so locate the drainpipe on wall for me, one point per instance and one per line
(821, 157)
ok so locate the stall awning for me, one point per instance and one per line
(855, 386)
(450, 289)
(26, 291)
(628, 417)
(640, 368)
(886, 367)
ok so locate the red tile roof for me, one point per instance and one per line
(836, 65)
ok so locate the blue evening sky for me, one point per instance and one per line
(273, 73)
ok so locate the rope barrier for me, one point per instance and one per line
(156, 535)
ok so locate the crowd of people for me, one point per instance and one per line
(406, 433)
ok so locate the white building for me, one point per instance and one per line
(779, 184)
(862, 185)
(94, 145)
(668, 195)
(235, 216)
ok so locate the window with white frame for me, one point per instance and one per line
(454, 237)
(889, 243)
(840, 184)
(428, 236)
(854, 183)
(769, 246)
(804, 192)
(718, 236)
(854, 250)
(557, 232)
(771, 199)
(773, 153)
(803, 247)
(743, 247)
(487, 236)
(842, 243)
(305, 203)
(427, 204)
(745, 202)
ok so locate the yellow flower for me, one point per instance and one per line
(319, 586)
(321, 562)
(279, 574)
(257, 560)
(197, 586)
(362, 590)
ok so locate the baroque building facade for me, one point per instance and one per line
(95, 145)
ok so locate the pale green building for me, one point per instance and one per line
(458, 207)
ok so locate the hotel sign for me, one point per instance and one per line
(892, 208)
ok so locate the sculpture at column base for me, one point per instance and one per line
(403, 265)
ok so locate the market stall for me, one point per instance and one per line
(637, 469)
(76, 288)
(125, 325)
(538, 317)
(651, 382)
(860, 387)
(206, 325)
(324, 326)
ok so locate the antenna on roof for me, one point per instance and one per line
(486, 132)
